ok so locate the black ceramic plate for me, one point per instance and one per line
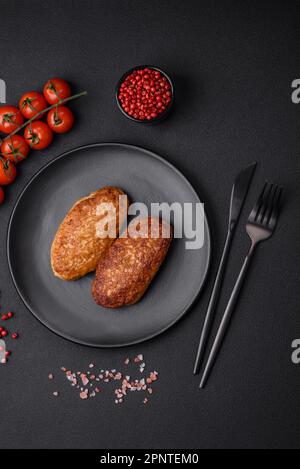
(67, 308)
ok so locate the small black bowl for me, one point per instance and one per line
(157, 119)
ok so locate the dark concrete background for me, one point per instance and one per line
(233, 63)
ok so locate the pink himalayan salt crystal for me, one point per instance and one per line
(84, 394)
(87, 379)
(84, 379)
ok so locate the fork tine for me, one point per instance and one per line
(269, 209)
(265, 204)
(255, 211)
(276, 206)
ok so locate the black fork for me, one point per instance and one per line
(260, 226)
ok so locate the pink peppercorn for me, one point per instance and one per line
(145, 94)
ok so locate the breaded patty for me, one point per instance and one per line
(79, 242)
(126, 271)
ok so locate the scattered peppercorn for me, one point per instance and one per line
(6, 333)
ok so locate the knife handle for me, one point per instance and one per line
(214, 298)
(227, 317)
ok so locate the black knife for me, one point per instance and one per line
(238, 197)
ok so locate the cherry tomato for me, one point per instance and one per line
(38, 135)
(8, 172)
(15, 148)
(10, 119)
(60, 119)
(2, 196)
(56, 89)
(32, 103)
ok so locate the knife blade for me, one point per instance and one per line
(239, 193)
(238, 196)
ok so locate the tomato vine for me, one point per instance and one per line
(41, 113)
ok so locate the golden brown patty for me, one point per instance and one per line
(79, 242)
(126, 271)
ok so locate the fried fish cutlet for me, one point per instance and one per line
(126, 271)
(79, 242)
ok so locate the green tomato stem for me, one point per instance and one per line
(62, 101)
